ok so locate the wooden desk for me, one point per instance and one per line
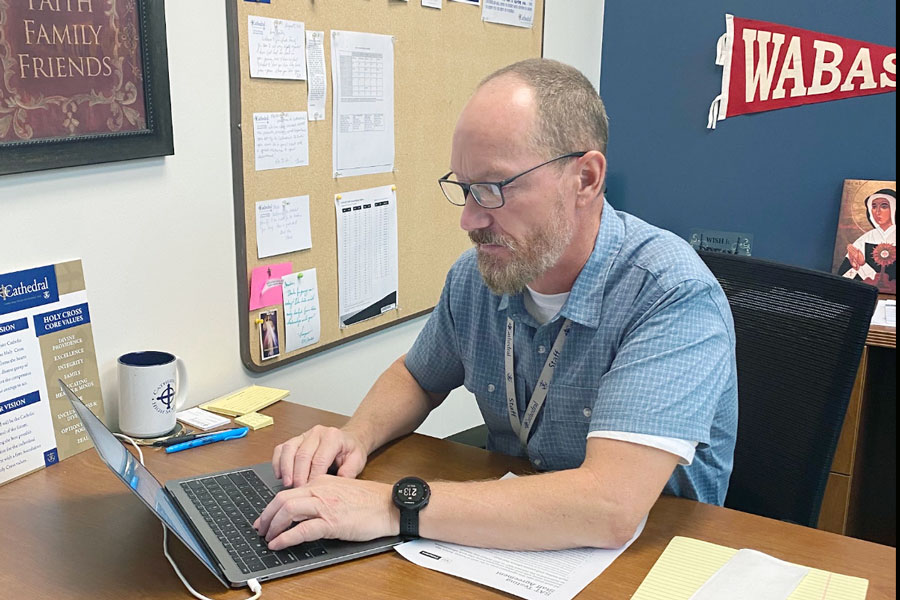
(73, 531)
(860, 498)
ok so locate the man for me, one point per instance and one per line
(616, 341)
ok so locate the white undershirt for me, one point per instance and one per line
(544, 307)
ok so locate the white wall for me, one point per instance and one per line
(156, 238)
(573, 30)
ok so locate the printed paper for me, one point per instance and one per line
(45, 335)
(519, 13)
(317, 88)
(367, 253)
(362, 74)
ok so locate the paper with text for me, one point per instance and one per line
(885, 313)
(432, 3)
(265, 285)
(301, 309)
(45, 335)
(282, 226)
(317, 85)
(362, 75)
(519, 13)
(280, 140)
(686, 564)
(539, 575)
(276, 48)
(368, 269)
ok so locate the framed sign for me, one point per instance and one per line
(82, 82)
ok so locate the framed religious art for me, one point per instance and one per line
(82, 82)
(865, 247)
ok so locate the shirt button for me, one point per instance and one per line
(586, 412)
(537, 462)
(541, 349)
(491, 387)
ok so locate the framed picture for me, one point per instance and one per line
(269, 347)
(865, 246)
(82, 82)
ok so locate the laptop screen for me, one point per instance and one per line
(138, 479)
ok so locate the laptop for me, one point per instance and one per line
(212, 514)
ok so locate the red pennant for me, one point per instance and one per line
(767, 66)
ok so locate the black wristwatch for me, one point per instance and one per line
(411, 495)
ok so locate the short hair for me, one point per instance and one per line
(570, 114)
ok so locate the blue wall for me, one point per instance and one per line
(777, 175)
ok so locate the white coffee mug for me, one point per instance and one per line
(152, 387)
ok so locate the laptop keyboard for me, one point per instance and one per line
(229, 505)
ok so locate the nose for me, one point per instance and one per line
(474, 216)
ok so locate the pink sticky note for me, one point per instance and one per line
(265, 285)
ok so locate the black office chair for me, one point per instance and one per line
(800, 334)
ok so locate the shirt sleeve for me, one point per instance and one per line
(673, 366)
(683, 449)
(434, 360)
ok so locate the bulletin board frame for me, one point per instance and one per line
(439, 58)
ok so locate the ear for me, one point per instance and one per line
(591, 177)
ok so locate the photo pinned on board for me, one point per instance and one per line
(269, 346)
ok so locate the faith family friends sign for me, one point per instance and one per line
(70, 68)
(45, 335)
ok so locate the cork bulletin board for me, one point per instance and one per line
(439, 58)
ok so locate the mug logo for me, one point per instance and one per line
(164, 397)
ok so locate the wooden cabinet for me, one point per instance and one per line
(860, 497)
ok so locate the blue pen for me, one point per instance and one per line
(228, 434)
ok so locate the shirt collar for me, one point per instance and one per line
(584, 305)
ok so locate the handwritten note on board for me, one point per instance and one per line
(280, 140)
(282, 226)
(301, 309)
(276, 48)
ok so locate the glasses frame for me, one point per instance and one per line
(499, 185)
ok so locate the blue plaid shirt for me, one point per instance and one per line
(651, 351)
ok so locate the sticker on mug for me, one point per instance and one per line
(269, 346)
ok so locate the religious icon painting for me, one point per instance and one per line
(269, 346)
(865, 246)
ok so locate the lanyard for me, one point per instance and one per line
(523, 429)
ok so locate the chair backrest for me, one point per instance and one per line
(800, 334)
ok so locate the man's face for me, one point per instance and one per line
(881, 212)
(520, 241)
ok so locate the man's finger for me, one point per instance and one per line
(306, 531)
(329, 447)
(289, 450)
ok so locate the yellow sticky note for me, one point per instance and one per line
(687, 563)
(255, 420)
(246, 400)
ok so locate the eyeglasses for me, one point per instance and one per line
(488, 194)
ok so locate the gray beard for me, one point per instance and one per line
(530, 259)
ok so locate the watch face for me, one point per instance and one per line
(410, 492)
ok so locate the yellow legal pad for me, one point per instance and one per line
(686, 564)
(247, 400)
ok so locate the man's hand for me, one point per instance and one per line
(302, 458)
(331, 508)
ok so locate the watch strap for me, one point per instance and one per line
(409, 523)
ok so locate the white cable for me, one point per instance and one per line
(255, 587)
